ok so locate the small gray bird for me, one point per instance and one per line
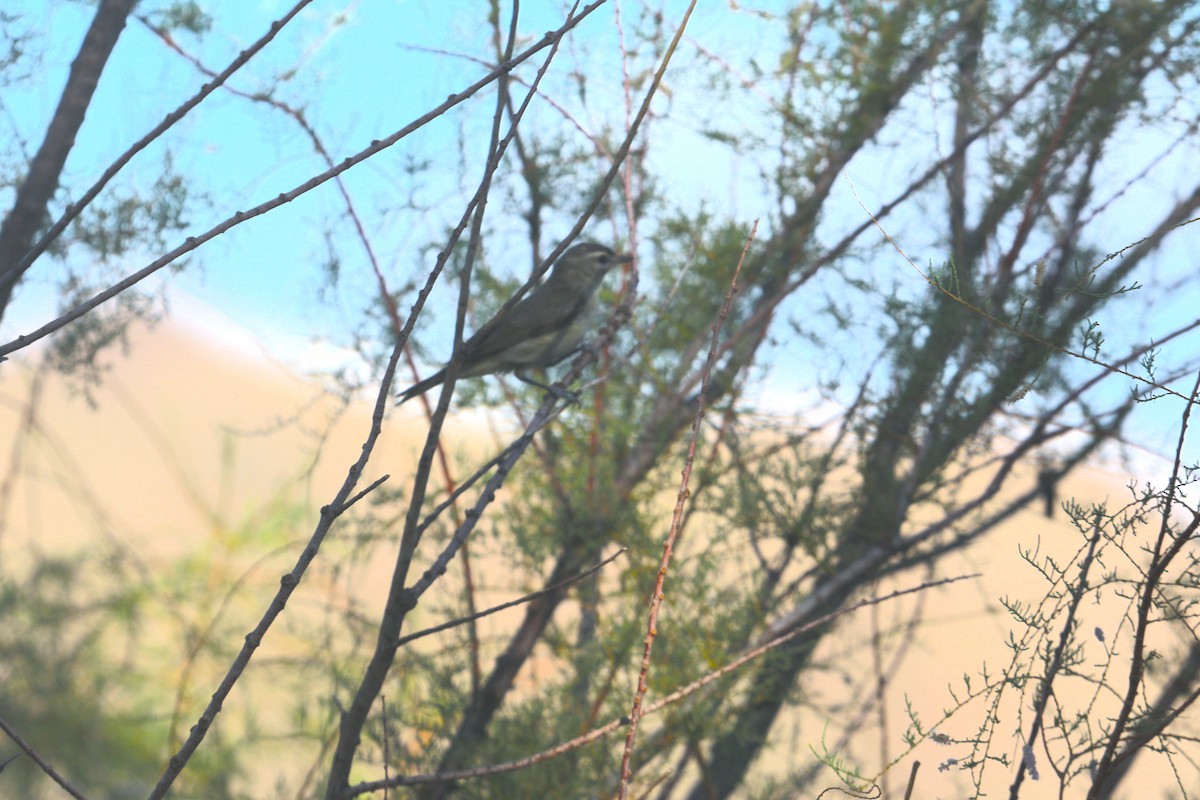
(548, 325)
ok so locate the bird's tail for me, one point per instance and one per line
(422, 387)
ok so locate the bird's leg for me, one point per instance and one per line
(561, 394)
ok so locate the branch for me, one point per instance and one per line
(28, 750)
(656, 596)
(287, 585)
(40, 183)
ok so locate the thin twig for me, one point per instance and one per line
(1045, 688)
(28, 750)
(656, 597)
(1160, 561)
(487, 612)
(912, 780)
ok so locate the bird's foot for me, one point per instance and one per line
(566, 395)
(559, 393)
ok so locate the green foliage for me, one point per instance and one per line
(846, 773)
(82, 351)
(181, 16)
(14, 42)
(75, 689)
(115, 226)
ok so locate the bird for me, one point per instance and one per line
(544, 328)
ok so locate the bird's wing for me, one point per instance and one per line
(527, 320)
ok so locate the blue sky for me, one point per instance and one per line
(356, 80)
(356, 71)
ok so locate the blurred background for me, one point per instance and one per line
(963, 343)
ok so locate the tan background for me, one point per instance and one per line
(190, 441)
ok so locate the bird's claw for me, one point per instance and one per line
(566, 395)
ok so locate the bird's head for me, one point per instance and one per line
(588, 262)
